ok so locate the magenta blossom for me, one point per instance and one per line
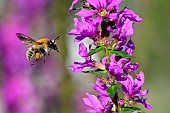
(101, 87)
(130, 14)
(86, 28)
(130, 47)
(133, 88)
(96, 104)
(114, 67)
(124, 23)
(100, 8)
(129, 67)
(78, 66)
(93, 102)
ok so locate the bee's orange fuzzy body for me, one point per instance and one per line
(42, 41)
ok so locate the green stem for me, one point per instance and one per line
(115, 100)
(108, 53)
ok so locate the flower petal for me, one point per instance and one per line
(86, 13)
(79, 38)
(77, 66)
(92, 111)
(104, 61)
(139, 79)
(145, 103)
(130, 14)
(93, 102)
(113, 3)
(127, 28)
(72, 5)
(94, 3)
(142, 93)
(82, 50)
(102, 3)
(113, 16)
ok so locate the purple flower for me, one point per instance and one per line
(133, 88)
(86, 28)
(124, 29)
(124, 23)
(78, 66)
(130, 14)
(93, 102)
(130, 47)
(114, 67)
(129, 67)
(102, 89)
(100, 8)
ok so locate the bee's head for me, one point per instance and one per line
(52, 44)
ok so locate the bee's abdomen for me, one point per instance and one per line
(30, 53)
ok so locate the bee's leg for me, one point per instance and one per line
(44, 54)
(44, 58)
(37, 57)
(34, 62)
(57, 50)
(49, 51)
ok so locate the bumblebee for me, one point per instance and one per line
(38, 48)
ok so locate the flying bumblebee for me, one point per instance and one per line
(38, 48)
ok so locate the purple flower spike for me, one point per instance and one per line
(110, 29)
(78, 66)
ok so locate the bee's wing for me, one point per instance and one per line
(25, 39)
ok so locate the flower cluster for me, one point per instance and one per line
(109, 28)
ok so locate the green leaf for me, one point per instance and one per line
(97, 71)
(112, 90)
(133, 108)
(125, 109)
(138, 109)
(97, 49)
(122, 53)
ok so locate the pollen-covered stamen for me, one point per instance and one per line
(102, 12)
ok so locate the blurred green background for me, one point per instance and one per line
(51, 87)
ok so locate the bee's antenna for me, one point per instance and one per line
(56, 38)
